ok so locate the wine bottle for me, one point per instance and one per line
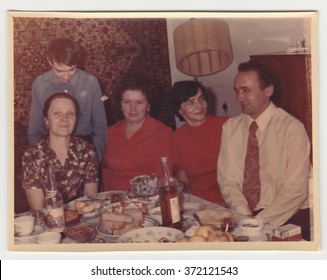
(54, 205)
(168, 197)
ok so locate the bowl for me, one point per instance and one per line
(48, 237)
(251, 226)
(81, 233)
(31, 239)
(156, 213)
(24, 225)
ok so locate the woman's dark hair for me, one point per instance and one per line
(139, 82)
(57, 95)
(182, 91)
(266, 76)
(63, 51)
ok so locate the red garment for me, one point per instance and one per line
(138, 155)
(196, 151)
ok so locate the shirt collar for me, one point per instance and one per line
(263, 120)
(73, 81)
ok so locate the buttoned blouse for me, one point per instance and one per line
(138, 155)
(80, 167)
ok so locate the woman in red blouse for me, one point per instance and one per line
(197, 142)
(135, 143)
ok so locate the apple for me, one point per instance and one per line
(197, 238)
(204, 231)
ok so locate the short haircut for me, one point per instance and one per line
(137, 81)
(265, 75)
(63, 51)
(182, 91)
(48, 102)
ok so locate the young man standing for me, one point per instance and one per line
(65, 76)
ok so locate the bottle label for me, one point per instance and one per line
(55, 219)
(174, 208)
(50, 194)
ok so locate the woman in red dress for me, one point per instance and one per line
(135, 143)
(197, 142)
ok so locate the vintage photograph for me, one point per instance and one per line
(163, 131)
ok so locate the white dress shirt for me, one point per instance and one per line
(284, 150)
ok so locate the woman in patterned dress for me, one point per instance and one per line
(72, 159)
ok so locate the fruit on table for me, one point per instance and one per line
(204, 231)
(207, 233)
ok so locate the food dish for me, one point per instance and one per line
(31, 238)
(111, 196)
(217, 217)
(251, 226)
(151, 235)
(72, 217)
(189, 208)
(107, 232)
(82, 233)
(119, 207)
(88, 208)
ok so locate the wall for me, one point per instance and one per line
(248, 36)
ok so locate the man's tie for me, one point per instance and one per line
(251, 182)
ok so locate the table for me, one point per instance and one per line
(189, 203)
(192, 204)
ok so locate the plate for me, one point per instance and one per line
(106, 231)
(111, 196)
(81, 204)
(30, 238)
(119, 207)
(189, 208)
(151, 235)
(150, 221)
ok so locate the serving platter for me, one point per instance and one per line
(106, 231)
(111, 196)
(189, 208)
(119, 207)
(151, 235)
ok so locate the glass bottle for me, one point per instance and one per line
(168, 198)
(54, 205)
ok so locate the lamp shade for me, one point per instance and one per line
(202, 47)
